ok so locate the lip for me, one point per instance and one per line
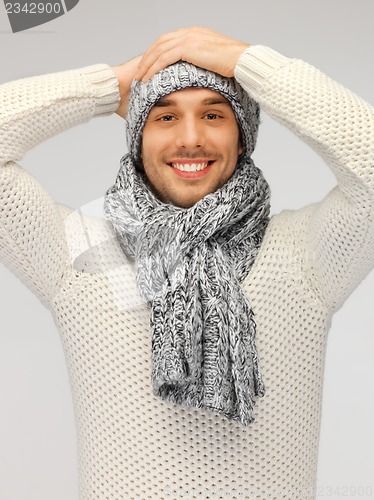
(191, 175)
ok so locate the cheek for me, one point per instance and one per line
(153, 168)
(154, 146)
(228, 141)
(149, 152)
(232, 147)
(148, 165)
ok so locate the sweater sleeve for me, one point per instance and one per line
(339, 231)
(32, 238)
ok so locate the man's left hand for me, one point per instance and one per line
(199, 46)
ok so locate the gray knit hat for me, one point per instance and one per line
(179, 76)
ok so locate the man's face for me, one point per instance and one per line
(190, 145)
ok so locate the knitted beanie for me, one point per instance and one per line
(179, 76)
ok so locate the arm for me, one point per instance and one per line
(338, 232)
(32, 239)
(339, 126)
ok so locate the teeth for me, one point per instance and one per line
(190, 167)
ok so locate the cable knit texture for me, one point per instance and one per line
(189, 266)
(132, 445)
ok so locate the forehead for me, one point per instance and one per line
(192, 96)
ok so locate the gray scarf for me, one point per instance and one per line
(189, 266)
(190, 262)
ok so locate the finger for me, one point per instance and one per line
(183, 35)
(165, 59)
(165, 42)
(154, 51)
(160, 53)
(166, 37)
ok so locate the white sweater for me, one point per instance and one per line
(131, 444)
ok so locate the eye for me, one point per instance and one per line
(211, 116)
(166, 118)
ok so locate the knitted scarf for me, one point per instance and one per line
(190, 263)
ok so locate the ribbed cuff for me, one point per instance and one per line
(256, 65)
(106, 87)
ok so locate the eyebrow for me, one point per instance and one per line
(164, 102)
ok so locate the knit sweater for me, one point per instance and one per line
(133, 445)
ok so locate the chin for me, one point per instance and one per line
(182, 203)
(188, 202)
(179, 198)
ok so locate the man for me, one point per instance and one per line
(134, 444)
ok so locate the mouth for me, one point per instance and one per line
(191, 169)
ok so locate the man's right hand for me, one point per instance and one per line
(199, 46)
(125, 74)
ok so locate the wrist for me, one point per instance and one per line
(237, 51)
(125, 75)
(105, 87)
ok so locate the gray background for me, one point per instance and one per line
(37, 437)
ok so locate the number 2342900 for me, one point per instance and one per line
(33, 8)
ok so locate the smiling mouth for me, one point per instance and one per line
(191, 167)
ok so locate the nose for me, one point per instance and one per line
(189, 133)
